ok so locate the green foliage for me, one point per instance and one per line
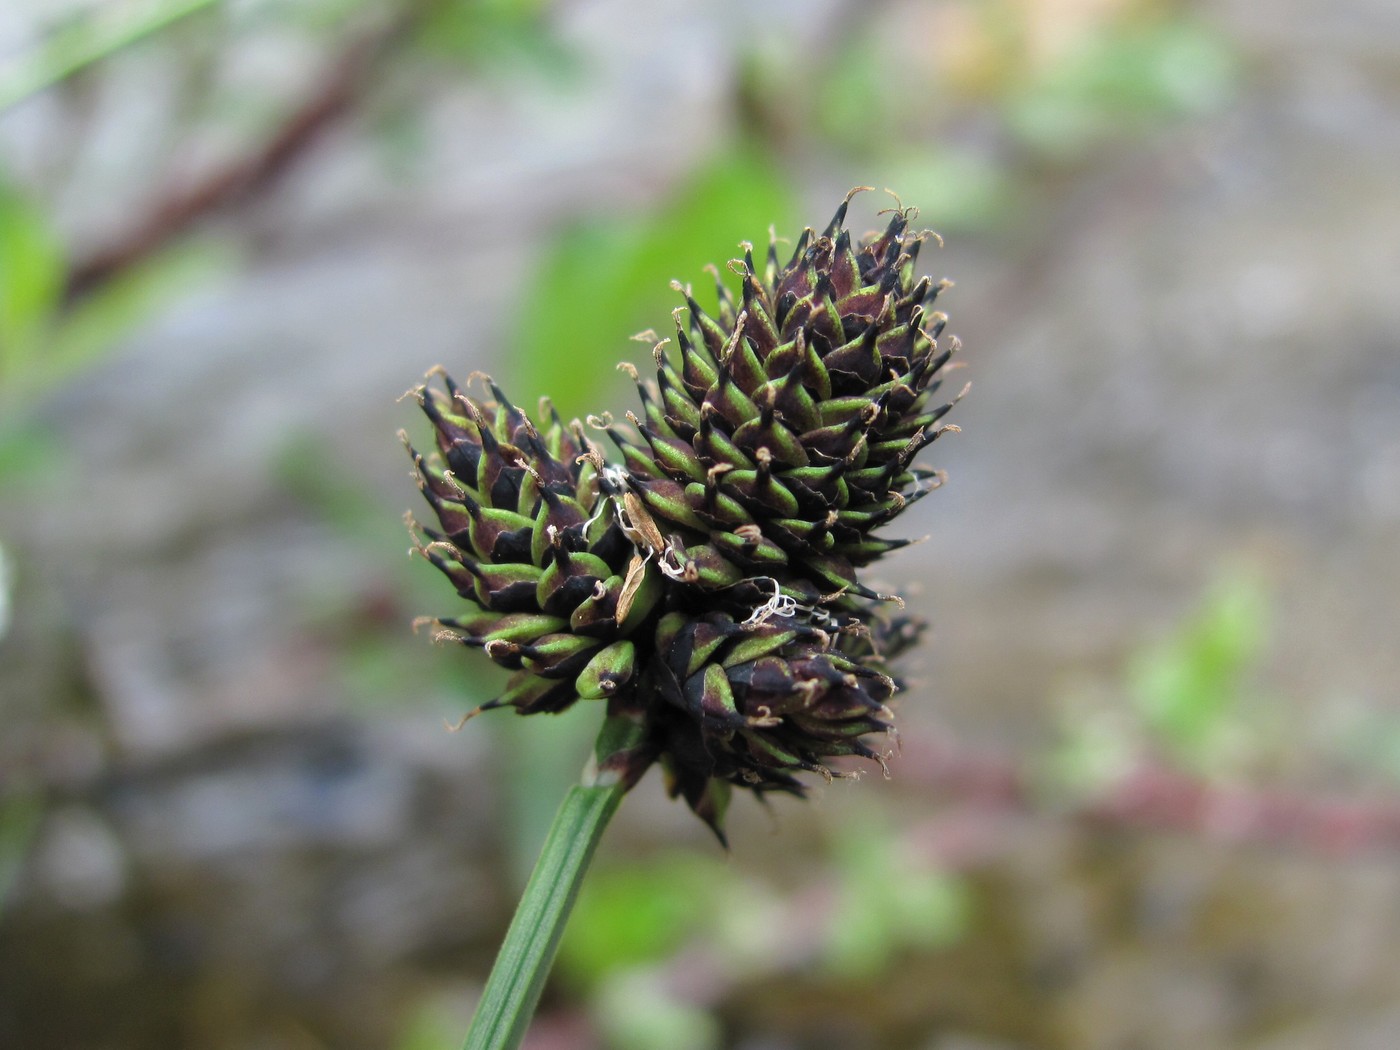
(1191, 688)
(495, 34)
(1122, 77)
(863, 107)
(889, 902)
(96, 34)
(431, 1025)
(306, 466)
(1125, 70)
(1095, 749)
(956, 189)
(32, 266)
(44, 340)
(637, 1011)
(1190, 699)
(91, 327)
(862, 102)
(605, 279)
(639, 914)
(537, 761)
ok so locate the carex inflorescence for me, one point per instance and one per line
(707, 582)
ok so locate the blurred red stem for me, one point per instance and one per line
(1158, 798)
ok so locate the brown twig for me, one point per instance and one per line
(332, 98)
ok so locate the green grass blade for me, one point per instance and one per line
(513, 989)
(87, 40)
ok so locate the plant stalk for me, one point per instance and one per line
(522, 966)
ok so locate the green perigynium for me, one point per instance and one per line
(707, 585)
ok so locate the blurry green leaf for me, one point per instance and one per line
(889, 902)
(63, 341)
(31, 278)
(1095, 750)
(101, 320)
(629, 916)
(502, 34)
(636, 1011)
(606, 279)
(317, 16)
(1190, 687)
(433, 1024)
(401, 137)
(861, 939)
(953, 189)
(30, 452)
(538, 760)
(1122, 78)
(97, 33)
(932, 908)
(861, 97)
(308, 467)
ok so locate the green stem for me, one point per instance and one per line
(514, 986)
(89, 39)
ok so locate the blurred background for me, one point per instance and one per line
(1149, 793)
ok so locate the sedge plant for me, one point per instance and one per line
(705, 583)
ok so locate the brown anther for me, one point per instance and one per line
(640, 521)
(636, 572)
